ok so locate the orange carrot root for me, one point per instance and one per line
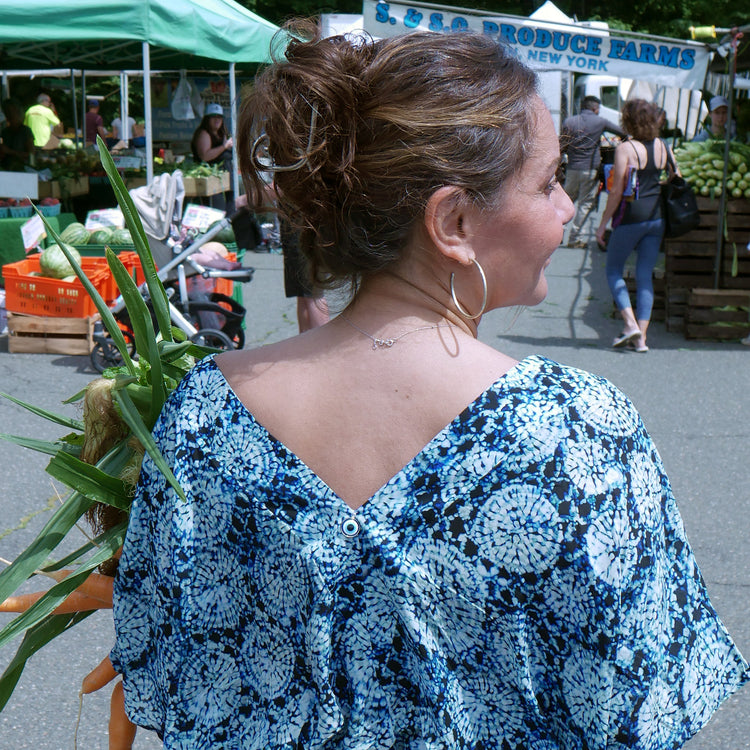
(98, 677)
(96, 585)
(121, 729)
(74, 603)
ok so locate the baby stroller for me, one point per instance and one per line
(209, 318)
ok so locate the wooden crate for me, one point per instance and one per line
(202, 186)
(690, 260)
(717, 314)
(41, 335)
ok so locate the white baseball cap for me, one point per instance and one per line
(214, 109)
(716, 102)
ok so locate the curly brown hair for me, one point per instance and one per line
(640, 119)
(378, 127)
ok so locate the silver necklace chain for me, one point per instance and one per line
(378, 343)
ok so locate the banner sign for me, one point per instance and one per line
(543, 45)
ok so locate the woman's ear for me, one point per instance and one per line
(447, 223)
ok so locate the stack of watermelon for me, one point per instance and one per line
(77, 235)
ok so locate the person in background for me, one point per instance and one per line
(312, 307)
(637, 224)
(122, 134)
(211, 143)
(718, 109)
(16, 139)
(394, 535)
(579, 140)
(94, 123)
(41, 119)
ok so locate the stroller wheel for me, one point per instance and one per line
(105, 354)
(213, 338)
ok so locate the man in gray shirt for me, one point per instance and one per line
(579, 139)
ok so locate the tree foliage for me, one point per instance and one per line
(665, 17)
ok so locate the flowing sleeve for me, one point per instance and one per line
(636, 657)
(173, 574)
(145, 606)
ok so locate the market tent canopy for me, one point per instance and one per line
(106, 34)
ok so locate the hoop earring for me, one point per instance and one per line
(458, 305)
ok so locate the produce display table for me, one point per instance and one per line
(11, 242)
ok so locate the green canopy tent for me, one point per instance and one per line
(133, 34)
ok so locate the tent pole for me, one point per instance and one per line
(147, 113)
(125, 134)
(83, 112)
(73, 96)
(732, 68)
(233, 109)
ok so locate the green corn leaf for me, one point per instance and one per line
(143, 331)
(170, 351)
(36, 637)
(76, 555)
(59, 592)
(61, 522)
(73, 424)
(40, 446)
(134, 224)
(133, 420)
(89, 480)
(37, 553)
(106, 314)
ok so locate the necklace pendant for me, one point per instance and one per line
(383, 343)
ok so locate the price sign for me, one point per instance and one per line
(200, 217)
(105, 218)
(33, 232)
(128, 162)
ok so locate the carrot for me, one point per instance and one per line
(121, 729)
(75, 602)
(96, 585)
(98, 677)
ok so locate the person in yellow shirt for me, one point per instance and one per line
(42, 119)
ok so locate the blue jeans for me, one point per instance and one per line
(645, 238)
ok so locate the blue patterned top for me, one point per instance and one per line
(523, 583)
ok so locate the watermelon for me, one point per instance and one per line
(53, 263)
(100, 237)
(225, 236)
(75, 234)
(120, 237)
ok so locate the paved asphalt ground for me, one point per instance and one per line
(693, 398)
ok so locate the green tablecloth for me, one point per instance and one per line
(11, 242)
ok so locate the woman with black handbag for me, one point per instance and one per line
(635, 209)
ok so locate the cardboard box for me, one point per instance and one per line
(65, 188)
(37, 335)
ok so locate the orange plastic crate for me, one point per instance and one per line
(53, 298)
(225, 286)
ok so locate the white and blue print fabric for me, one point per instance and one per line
(524, 583)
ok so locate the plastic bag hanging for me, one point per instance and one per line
(196, 101)
(182, 109)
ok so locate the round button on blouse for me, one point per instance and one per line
(350, 527)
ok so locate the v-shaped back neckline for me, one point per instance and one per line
(519, 367)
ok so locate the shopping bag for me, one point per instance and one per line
(679, 207)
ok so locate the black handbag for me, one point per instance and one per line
(679, 206)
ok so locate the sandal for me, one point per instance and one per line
(625, 338)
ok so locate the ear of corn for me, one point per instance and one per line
(138, 390)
